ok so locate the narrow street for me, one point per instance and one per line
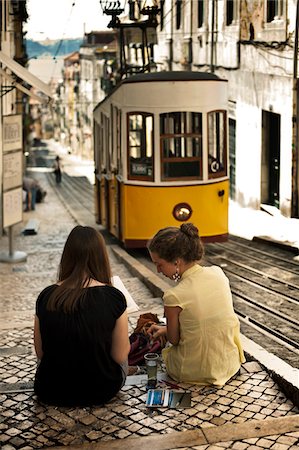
(237, 411)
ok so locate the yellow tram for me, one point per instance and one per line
(160, 142)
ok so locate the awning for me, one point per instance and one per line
(24, 75)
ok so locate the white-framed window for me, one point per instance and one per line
(217, 143)
(181, 145)
(178, 13)
(140, 126)
(274, 10)
(162, 13)
(232, 11)
(200, 13)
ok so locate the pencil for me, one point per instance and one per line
(174, 386)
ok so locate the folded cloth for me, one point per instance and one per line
(144, 322)
(144, 319)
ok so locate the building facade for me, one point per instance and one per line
(252, 45)
(87, 77)
(16, 85)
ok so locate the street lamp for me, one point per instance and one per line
(113, 9)
(146, 8)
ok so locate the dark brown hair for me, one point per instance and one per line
(171, 243)
(84, 257)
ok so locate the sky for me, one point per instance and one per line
(57, 19)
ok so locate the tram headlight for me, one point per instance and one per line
(182, 212)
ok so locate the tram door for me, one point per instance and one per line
(104, 188)
(115, 169)
(270, 164)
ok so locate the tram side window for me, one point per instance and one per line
(217, 147)
(181, 145)
(140, 146)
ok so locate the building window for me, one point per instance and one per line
(178, 14)
(140, 146)
(231, 11)
(217, 144)
(200, 13)
(181, 145)
(162, 3)
(275, 9)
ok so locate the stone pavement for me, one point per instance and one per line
(250, 412)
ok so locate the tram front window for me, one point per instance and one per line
(217, 144)
(140, 146)
(181, 145)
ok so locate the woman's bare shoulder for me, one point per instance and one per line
(94, 283)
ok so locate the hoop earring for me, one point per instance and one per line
(176, 276)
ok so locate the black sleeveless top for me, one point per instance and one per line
(76, 368)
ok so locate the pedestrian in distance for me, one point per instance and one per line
(201, 325)
(57, 169)
(30, 186)
(81, 327)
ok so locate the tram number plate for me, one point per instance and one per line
(139, 169)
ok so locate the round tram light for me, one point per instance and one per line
(182, 212)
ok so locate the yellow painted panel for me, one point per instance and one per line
(147, 209)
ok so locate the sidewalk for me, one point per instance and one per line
(269, 226)
(249, 413)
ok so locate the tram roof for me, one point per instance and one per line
(175, 75)
(170, 76)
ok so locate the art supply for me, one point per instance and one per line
(171, 398)
(151, 362)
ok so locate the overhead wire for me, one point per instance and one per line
(63, 35)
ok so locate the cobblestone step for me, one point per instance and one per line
(14, 388)
(125, 421)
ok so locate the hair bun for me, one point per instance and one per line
(189, 230)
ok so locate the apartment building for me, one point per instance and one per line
(16, 85)
(254, 45)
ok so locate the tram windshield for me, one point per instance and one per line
(140, 136)
(181, 145)
(217, 143)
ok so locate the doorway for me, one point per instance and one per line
(232, 159)
(270, 164)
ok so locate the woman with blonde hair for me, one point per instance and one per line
(81, 327)
(201, 323)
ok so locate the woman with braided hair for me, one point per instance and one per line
(201, 323)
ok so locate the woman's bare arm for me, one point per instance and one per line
(173, 324)
(120, 339)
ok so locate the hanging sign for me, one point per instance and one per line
(12, 170)
(12, 207)
(12, 139)
(12, 133)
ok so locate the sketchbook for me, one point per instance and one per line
(131, 305)
(171, 398)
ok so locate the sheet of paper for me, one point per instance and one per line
(131, 305)
(133, 380)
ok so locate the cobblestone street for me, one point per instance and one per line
(229, 417)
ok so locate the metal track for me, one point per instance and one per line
(264, 280)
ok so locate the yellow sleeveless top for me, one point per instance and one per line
(209, 351)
